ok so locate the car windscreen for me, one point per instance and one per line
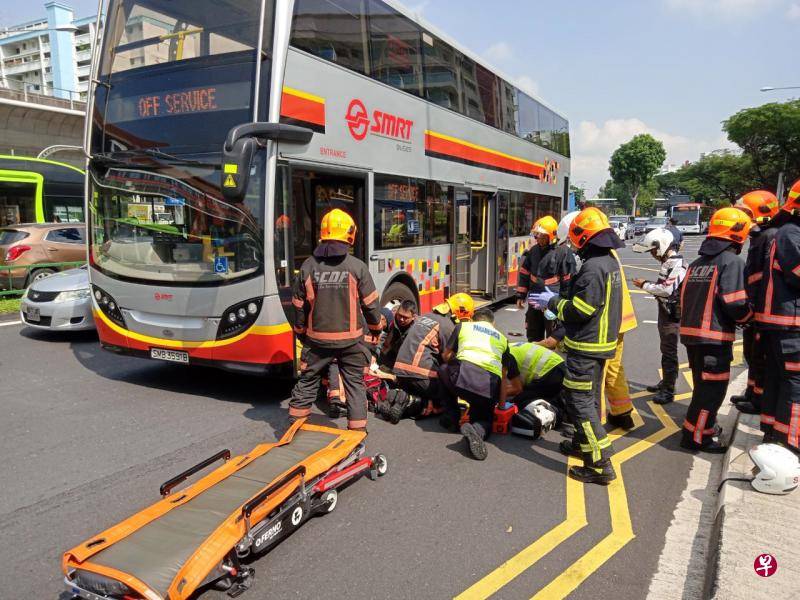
(12, 236)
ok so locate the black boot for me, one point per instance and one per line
(746, 407)
(711, 445)
(625, 421)
(399, 408)
(567, 430)
(655, 388)
(738, 399)
(664, 396)
(473, 434)
(569, 448)
(601, 473)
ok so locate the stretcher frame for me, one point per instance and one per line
(256, 526)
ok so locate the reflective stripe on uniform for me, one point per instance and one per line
(582, 306)
(706, 376)
(581, 386)
(534, 361)
(594, 446)
(590, 347)
(560, 308)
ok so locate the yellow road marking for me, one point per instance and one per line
(526, 558)
(621, 526)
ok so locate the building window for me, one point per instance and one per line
(441, 73)
(394, 44)
(333, 30)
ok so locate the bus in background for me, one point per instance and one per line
(221, 131)
(689, 218)
(35, 190)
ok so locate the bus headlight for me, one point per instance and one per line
(238, 318)
(108, 306)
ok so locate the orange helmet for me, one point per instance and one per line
(462, 306)
(337, 225)
(589, 222)
(546, 226)
(761, 205)
(793, 202)
(731, 224)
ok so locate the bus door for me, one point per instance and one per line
(462, 250)
(481, 243)
(500, 237)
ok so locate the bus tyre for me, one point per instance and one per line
(38, 275)
(398, 292)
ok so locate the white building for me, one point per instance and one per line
(49, 56)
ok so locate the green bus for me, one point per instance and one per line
(35, 190)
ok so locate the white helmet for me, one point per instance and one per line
(563, 227)
(658, 238)
(777, 469)
(534, 420)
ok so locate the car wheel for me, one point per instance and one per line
(38, 275)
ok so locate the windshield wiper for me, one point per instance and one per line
(120, 156)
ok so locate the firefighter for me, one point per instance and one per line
(402, 320)
(778, 318)
(592, 315)
(615, 381)
(478, 359)
(331, 292)
(556, 268)
(419, 393)
(761, 206)
(662, 246)
(713, 302)
(544, 231)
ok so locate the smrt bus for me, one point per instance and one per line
(690, 217)
(35, 190)
(220, 132)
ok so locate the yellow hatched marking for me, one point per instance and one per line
(481, 148)
(304, 95)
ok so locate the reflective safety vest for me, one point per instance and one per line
(534, 361)
(482, 345)
(628, 314)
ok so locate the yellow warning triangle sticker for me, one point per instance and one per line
(230, 182)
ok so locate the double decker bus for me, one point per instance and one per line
(220, 132)
(690, 217)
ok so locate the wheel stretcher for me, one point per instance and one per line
(197, 537)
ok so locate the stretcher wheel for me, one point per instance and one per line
(329, 499)
(381, 464)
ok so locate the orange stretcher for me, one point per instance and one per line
(196, 538)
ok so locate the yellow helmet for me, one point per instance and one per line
(462, 306)
(546, 226)
(338, 226)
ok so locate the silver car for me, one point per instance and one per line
(60, 302)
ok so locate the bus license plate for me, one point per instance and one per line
(33, 314)
(170, 355)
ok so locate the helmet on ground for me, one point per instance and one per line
(462, 306)
(659, 239)
(546, 226)
(564, 225)
(761, 205)
(535, 419)
(777, 469)
(793, 201)
(730, 224)
(589, 222)
(338, 226)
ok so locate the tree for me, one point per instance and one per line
(721, 175)
(770, 137)
(634, 164)
(580, 193)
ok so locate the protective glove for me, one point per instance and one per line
(540, 300)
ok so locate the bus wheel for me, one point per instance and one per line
(38, 275)
(398, 292)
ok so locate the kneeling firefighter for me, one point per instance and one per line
(419, 392)
(331, 291)
(537, 391)
(592, 315)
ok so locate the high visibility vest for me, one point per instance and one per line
(628, 315)
(534, 361)
(482, 345)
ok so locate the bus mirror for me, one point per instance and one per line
(236, 168)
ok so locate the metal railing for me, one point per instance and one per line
(28, 94)
(7, 281)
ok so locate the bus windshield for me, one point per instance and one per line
(171, 224)
(686, 217)
(178, 74)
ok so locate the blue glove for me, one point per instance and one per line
(540, 301)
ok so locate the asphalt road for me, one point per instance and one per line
(87, 437)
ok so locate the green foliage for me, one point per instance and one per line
(719, 176)
(769, 135)
(645, 202)
(9, 305)
(635, 163)
(580, 193)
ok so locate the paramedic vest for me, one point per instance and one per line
(482, 345)
(534, 361)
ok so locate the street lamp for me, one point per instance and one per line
(770, 88)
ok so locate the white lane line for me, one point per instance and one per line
(650, 322)
(11, 323)
(513, 309)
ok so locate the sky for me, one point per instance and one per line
(672, 68)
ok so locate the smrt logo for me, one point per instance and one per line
(158, 296)
(382, 124)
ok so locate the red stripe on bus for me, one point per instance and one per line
(303, 109)
(451, 148)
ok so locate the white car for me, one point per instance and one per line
(60, 302)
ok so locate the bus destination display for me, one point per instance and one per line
(178, 102)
